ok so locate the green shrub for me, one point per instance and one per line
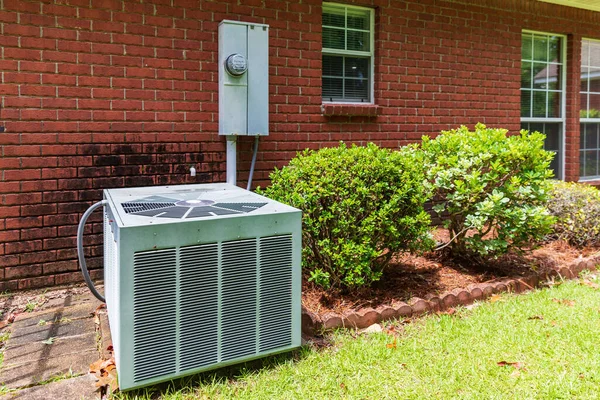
(490, 187)
(577, 210)
(360, 205)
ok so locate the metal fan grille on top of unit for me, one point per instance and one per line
(188, 205)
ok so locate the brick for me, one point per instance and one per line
(22, 271)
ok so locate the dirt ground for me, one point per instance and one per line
(417, 276)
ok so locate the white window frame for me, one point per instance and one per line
(586, 120)
(370, 54)
(563, 106)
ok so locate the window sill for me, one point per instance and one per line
(592, 182)
(349, 110)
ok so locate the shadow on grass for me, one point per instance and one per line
(231, 375)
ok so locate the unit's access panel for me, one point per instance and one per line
(243, 78)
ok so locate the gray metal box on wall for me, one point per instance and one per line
(243, 78)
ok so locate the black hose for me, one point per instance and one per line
(253, 162)
(81, 256)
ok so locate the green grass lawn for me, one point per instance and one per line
(440, 356)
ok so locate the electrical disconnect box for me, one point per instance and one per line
(243, 78)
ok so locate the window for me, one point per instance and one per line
(347, 53)
(589, 144)
(542, 91)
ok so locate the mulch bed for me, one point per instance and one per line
(430, 274)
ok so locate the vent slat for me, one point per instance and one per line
(154, 313)
(275, 292)
(198, 306)
(238, 302)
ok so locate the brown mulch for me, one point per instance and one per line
(418, 276)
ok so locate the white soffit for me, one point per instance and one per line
(593, 5)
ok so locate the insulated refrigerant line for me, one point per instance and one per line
(81, 256)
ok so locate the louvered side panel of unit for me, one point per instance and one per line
(111, 280)
(155, 314)
(198, 306)
(238, 299)
(275, 299)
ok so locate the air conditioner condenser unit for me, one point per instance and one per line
(198, 277)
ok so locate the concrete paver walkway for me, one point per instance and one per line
(49, 351)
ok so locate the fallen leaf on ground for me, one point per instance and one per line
(392, 345)
(96, 366)
(515, 374)
(517, 365)
(450, 311)
(106, 373)
(109, 381)
(553, 323)
(565, 302)
(472, 306)
(495, 298)
(50, 340)
(536, 317)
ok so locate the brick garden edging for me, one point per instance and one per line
(313, 323)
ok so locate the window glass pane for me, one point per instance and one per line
(346, 78)
(594, 104)
(356, 89)
(554, 164)
(585, 51)
(589, 154)
(334, 38)
(585, 72)
(540, 48)
(357, 67)
(526, 74)
(591, 163)
(591, 137)
(359, 19)
(333, 17)
(593, 58)
(554, 104)
(539, 104)
(358, 40)
(554, 77)
(552, 132)
(554, 49)
(594, 79)
(333, 66)
(333, 88)
(527, 47)
(540, 75)
(525, 103)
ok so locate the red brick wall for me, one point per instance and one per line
(109, 93)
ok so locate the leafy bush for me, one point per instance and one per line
(490, 187)
(359, 205)
(577, 210)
